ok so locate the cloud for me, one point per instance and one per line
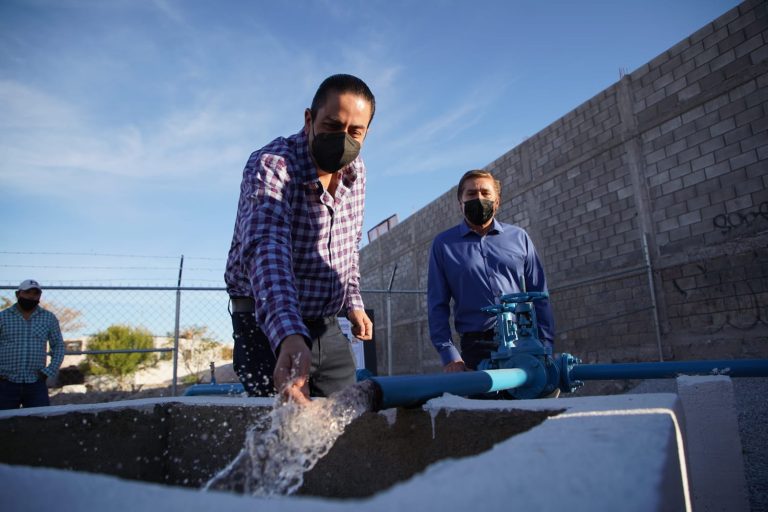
(24, 107)
(46, 140)
(170, 11)
(445, 157)
(449, 139)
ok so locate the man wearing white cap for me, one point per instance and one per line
(25, 329)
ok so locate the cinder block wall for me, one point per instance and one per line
(674, 157)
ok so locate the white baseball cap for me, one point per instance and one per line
(29, 284)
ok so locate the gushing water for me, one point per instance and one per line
(274, 460)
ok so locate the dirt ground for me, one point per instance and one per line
(224, 374)
(97, 397)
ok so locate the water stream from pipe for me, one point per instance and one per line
(276, 455)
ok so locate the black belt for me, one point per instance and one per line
(314, 323)
(242, 304)
(478, 335)
(248, 305)
(478, 340)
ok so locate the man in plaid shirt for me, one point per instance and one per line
(293, 263)
(25, 330)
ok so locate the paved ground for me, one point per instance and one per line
(752, 407)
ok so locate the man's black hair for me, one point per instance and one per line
(342, 83)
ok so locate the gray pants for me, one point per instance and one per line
(333, 364)
(332, 367)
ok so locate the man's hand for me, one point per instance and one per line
(292, 369)
(362, 327)
(455, 366)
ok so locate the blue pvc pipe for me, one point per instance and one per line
(410, 390)
(214, 389)
(670, 369)
(237, 388)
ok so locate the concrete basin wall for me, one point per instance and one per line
(624, 452)
(182, 442)
(377, 451)
(162, 441)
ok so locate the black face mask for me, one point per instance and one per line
(27, 304)
(333, 151)
(478, 211)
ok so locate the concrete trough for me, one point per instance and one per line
(621, 452)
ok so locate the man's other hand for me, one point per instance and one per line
(292, 369)
(362, 327)
(455, 366)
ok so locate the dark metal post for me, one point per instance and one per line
(652, 290)
(389, 321)
(176, 329)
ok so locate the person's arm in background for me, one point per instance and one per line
(439, 312)
(56, 343)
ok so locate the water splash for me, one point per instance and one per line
(274, 459)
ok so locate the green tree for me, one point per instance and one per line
(197, 349)
(120, 337)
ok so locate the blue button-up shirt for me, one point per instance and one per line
(475, 271)
(295, 246)
(23, 345)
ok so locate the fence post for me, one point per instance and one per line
(652, 289)
(389, 321)
(176, 329)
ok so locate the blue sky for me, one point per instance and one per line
(125, 124)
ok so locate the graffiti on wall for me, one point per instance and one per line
(743, 219)
(729, 303)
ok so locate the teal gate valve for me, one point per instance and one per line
(518, 345)
(566, 363)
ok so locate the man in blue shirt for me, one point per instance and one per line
(25, 331)
(474, 264)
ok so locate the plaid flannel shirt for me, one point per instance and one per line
(295, 247)
(23, 345)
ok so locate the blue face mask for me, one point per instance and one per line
(478, 211)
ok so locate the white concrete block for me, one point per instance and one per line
(716, 465)
(601, 453)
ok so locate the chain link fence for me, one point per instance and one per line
(167, 313)
(178, 318)
(85, 310)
